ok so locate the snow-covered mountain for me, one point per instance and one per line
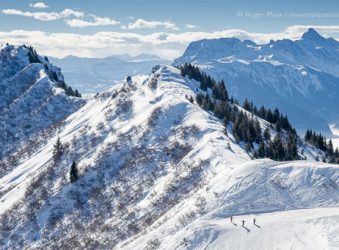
(92, 75)
(299, 77)
(31, 100)
(157, 171)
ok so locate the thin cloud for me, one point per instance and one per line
(45, 16)
(190, 26)
(97, 21)
(144, 24)
(166, 45)
(39, 5)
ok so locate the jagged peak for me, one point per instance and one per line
(311, 34)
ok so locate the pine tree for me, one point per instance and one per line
(226, 121)
(269, 116)
(336, 152)
(200, 98)
(332, 160)
(267, 134)
(257, 130)
(278, 148)
(74, 175)
(203, 85)
(76, 93)
(223, 91)
(261, 150)
(207, 104)
(57, 150)
(216, 93)
(33, 56)
(292, 149)
(247, 105)
(308, 135)
(219, 110)
(276, 116)
(330, 149)
(248, 147)
(278, 127)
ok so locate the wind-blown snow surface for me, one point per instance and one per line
(93, 75)
(300, 77)
(156, 171)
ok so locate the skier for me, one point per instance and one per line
(231, 219)
(254, 220)
(243, 223)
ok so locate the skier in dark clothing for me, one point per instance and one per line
(243, 223)
(231, 219)
(254, 220)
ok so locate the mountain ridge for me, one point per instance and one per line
(92, 75)
(153, 166)
(34, 96)
(287, 74)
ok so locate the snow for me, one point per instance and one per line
(335, 132)
(290, 75)
(93, 75)
(295, 229)
(155, 166)
(91, 115)
(312, 228)
(232, 59)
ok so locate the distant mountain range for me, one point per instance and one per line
(299, 77)
(92, 75)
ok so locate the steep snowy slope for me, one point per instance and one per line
(30, 101)
(92, 75)
(300, 77)
(155, 170)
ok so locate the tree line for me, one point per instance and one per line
(320, 142)
(245, 127)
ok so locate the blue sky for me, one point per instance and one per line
(101, 28)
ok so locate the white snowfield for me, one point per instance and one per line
(156, 171)
(293, 229)
(295, 205)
